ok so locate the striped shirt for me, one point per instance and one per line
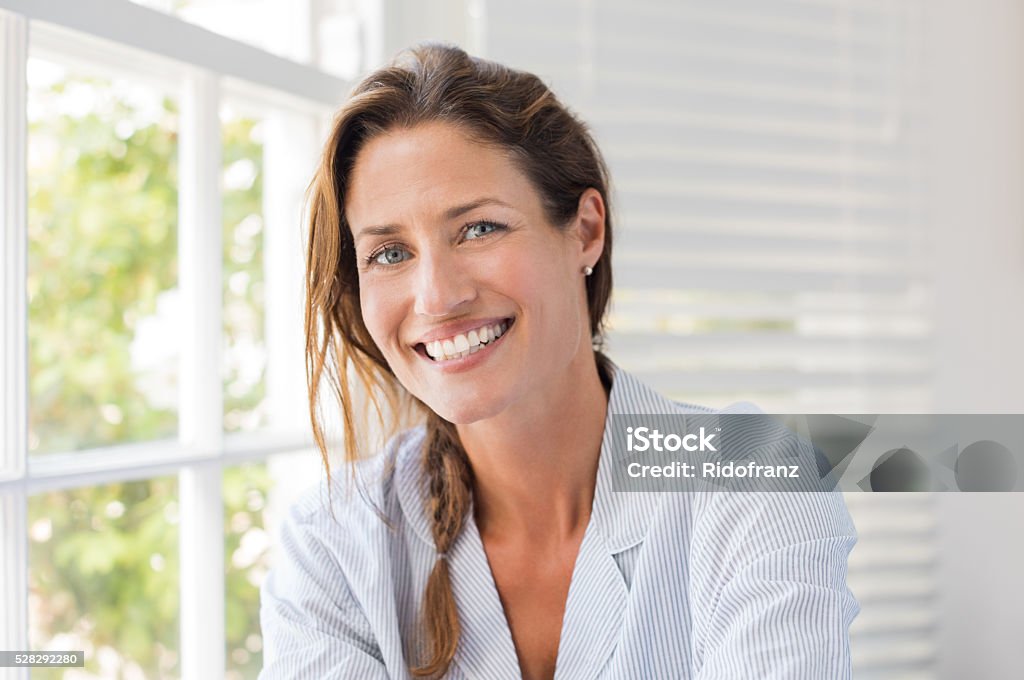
(666, 585)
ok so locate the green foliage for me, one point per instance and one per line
(102, 250)
(243, 272)
(245, 561)
(104, 567)
(102, 244)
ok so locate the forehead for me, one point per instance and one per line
(423, 171)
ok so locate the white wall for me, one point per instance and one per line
(407, 22)
(976, 83)
(976, 78)
(981, 601)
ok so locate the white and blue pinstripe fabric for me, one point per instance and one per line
(721, 585)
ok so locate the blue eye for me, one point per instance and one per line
(389, 255)
(393, 254)
(479, 229)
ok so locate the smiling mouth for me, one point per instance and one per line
(470, 342)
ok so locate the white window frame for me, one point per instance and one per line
(209, 67)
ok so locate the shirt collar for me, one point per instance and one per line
(621, 516)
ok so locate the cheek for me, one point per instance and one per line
(540, 281)
(379, 316)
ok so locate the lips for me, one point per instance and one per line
(476, 336)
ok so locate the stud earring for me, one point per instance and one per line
(588, 270)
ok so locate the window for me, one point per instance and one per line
(344, 41)
(103, 576)
(153, 381)
(102, 258)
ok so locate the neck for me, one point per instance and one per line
(535, 469)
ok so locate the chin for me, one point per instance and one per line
(460, 413)
(457, 403)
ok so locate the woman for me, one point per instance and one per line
(459, 266)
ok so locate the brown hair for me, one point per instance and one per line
(495, 105)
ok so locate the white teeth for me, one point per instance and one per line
(464, 344)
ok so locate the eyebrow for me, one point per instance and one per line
(450, 214)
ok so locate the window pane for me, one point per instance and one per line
(256, 497)
(102, 260)
(245, 352)
(103, 577)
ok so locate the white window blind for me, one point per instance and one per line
(766, 160)
(766, 175)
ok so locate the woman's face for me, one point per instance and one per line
(453, 249)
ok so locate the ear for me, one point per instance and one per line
(590, 225)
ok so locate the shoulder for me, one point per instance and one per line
(318, 609)
(358, 501)
(338, 537)
(764, 517)
(738, 407)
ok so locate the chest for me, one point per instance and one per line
(533, 588)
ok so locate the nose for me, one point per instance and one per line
(443, 287)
